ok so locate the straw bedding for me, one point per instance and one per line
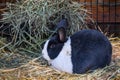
(37, 69)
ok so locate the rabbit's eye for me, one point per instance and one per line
(52, 45)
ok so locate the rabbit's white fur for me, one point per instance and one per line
(44, 51)
(63, 61)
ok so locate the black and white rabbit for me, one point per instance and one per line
(84, 51)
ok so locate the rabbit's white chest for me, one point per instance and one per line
(63, 61)
(62, 64)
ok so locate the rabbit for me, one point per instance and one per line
(84, 51)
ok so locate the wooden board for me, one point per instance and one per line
(103, 10)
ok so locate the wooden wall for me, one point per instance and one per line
(103, 10)
(106, 13)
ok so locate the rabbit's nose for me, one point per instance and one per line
(42, 54)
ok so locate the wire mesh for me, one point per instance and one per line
(105, 13)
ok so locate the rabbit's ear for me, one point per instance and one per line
(61, 29)
(62, 34)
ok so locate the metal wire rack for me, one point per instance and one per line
(106, 14)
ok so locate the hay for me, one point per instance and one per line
(35, 18)
(31, 22)
(37, 69)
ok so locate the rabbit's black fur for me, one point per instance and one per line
(90, 50)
